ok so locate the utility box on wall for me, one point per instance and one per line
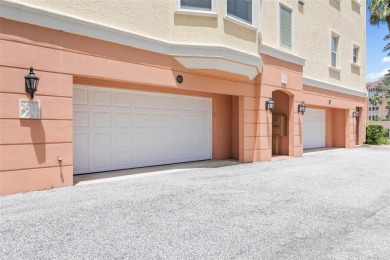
(279, 125)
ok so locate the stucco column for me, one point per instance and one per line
(350, 130)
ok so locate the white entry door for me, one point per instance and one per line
(118, 129)
(314, 128)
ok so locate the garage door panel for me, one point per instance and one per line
(101, 118)
(314, 128)
(190, 104)
(141, 138)
(175, 103)
(159, 138)
(159, 119)
(142, 118)
(80, 140)
(122, 158)
(122, 119)
(100, 159)
(122, 99)
(141, 157)
(80, 118)
(101, 139)
(118, 129)
(101, 98)
(80, 96)
(81, 159)
(160, 102)
(142, 101)
(121, 138)
(174, 120)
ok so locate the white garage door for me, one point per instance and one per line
(314, 128)
(118, 129)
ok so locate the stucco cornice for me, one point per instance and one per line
(282, 55)
(332, 87)
(27, 13)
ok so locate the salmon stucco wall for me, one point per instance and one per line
(287, 97)
(30, 149)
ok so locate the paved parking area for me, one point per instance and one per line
(327, 205)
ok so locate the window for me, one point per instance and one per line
(369, 109)
(355, 54)
(334, 50)
(369, 118)
(240, 10)
(285, 27)
(202, 5)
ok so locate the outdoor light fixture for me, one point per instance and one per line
(355, 113)
(302, 108)
(31, 82)
(269, 105)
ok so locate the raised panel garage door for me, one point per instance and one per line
(314, 128)
(118, 129)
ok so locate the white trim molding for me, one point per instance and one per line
(356, 65)
(336, 69)
(256, 11)
(218, 64)
(27, 13)
(357, 2)
(282, 55)
(332, 87)
(194, 11)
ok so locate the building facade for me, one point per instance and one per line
(378, 111)
(126, 84)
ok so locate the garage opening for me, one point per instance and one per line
(119, 129)
(314, 128)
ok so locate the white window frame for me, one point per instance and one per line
(256, 11)
(357, 2)
(292, 25)
(355, 47)
(335, 35)
(212, 12)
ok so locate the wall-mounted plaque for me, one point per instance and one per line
(29, 109)
(284, 78)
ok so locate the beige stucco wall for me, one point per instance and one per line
(157, 19)
(313, 23)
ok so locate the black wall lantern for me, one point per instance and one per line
(301, 108)
(355, 113)
(31, 82)
(269, 105)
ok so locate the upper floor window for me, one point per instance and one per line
(334, 49)
(240, 9)
(355, 54)
(285, 27)
(202, 5)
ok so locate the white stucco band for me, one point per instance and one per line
(218, 64)
(282, 55)
(332, 87)
(244, 62)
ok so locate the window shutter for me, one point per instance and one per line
(285, 27)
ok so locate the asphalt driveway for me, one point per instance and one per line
(328, 205)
